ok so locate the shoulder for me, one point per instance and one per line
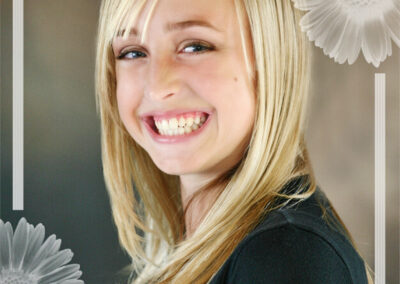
(287, 254)
(295, 245)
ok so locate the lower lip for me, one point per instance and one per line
(176, 138)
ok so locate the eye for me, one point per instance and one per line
(197, 47)
(131, 54)
(193, 47)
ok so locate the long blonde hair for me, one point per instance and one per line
(146, 203)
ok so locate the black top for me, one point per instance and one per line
(294, 244)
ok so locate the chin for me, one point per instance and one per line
(174, 171)
(174, 168)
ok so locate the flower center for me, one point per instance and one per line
(16, 277)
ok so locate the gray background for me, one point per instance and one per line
(64, 186)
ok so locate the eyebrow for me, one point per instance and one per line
(189, 23)
(178, 26)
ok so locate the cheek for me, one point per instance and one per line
(212, 79)
(228, 90)
(128, 94)
(223, 83)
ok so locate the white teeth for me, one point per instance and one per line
(188, 129)
(179, 125)
(182, 122)
(189, 121)
(164, 124)
(173, 123)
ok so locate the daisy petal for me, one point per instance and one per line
(20, 243)
(315, 17)
(392, 19)
(35, 242)
(388, 45)
(53, 262)
(73, 282)
(45, 250)
(374, 45)
(331, 23)
(59, 274)
(321, 32)
(5, 244)
(74, 275)
(24, 258)
(350, 45)
(333, 36)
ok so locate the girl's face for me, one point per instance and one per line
(184, 94)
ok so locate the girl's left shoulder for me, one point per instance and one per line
(295, 245)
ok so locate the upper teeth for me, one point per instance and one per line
(181, 125)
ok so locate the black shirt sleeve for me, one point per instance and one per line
(287, 254)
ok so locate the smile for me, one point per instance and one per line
(176, 127)
(180, 125)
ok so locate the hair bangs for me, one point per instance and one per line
(123, 15)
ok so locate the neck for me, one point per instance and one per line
(196, 204)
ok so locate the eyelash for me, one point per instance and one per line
(192, 44)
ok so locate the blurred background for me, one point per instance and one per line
(64, 187)
(341, 142)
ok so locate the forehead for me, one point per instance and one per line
(217, 14)
(207, 8)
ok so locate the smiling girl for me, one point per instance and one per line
(203, 107)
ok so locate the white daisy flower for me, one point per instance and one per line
(25, 259)
(344, 27)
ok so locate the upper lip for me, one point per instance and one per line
(171, 113)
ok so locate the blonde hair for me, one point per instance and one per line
(150, 227)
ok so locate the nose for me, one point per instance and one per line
(162, 80)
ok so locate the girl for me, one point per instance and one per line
(203, 107)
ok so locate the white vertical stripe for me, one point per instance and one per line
(18, 105)
(380, 183)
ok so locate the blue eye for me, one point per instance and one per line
(198, 47)
(194, 47)
(131, 54)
